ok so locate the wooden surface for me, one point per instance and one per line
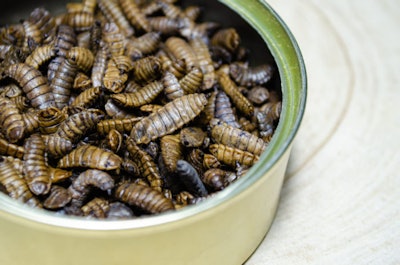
(340, 203)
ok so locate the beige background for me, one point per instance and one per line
(340, 203)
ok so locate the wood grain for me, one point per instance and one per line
(340, 203)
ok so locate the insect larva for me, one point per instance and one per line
(183, 198)
(123, 63)
(41, 55)
(144, 197)
(230, 155)
(10, 149)
(215, 178)
(12, 35)
(11, 121)
(165, 25)
(33, 36)
(90, 156)
(238, 99)
(121, 125)
(272, 110)
(131, 167)
(119, 210)
(113, 38)
(224, 111)
(147, 69)
(141, 97)
(114, 79)
(65, 39)
(192, 12)
(97, 208)
(87, 97)
(210, 161)
(171, 117)
(192, 136)
(33, 83)
(258, 95)
(227, 38)
(191, 179)
(112, 11)
(17, 163)
(15, 185)
(150, 107)
(170, 10)
(82, 57)
(265, 125)
(58, 174)
(35, 167)
(147, 43)
(171, 151)
(204, 61)
(117, 112)
(11, 90)
(82, 82)
(172, 88)
(81, 186)
(181, 49)
(99, 65)
(251, 76)
(57, 146)
(45, 22)
(176, 67)
(222, 133)
(134, 15)
(49, 119)
(192, 81)
(61, 84)
(200, 30)
(78, 19)
(75, 126)
(147, 166)
(149, 8)
(58, 198)
(20, 102)
(95, 36)
(114, 140)
(196, 157)
(31, 122)
(247, 125)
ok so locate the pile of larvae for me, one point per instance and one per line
(127, 108)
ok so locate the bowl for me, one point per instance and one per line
(224, 229)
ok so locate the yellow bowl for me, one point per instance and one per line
(225, 229)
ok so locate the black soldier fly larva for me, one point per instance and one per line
(123, 109)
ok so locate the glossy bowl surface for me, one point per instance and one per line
(224, 229)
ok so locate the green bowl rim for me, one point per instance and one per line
(287, 55)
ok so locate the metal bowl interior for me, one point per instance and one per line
(269, 40)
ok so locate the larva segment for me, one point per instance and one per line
(89, 156)
(11, 121)
(231, 156)
(35, 168)
(168, 119)
(144, 197)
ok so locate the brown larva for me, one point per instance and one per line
(171, 117)
(57, 198)
(175, 66)
(45, 22)
(11, 121)
(204, 61)
(192, 136)
(114, 140)
(141, 97)
(82, 57)
(97, 208)
(134, 15)
(121, 125)
(57, 146)
(165, 25)
(144, 197)
(147, 43)
(116, 111)
(228, 38)
(35, 167)
(79, 20)
(251, 76)
(230, 155)
(49, 119)
(224, 111)
(171, 151)
(172, 88)
(192, 81)
(87, 97)
(33, 83)
(181, 50)
(41, 55)
(9, 149)
(113, 79)
(58, 174)
(99, 65)
(15, 185)
(147, 69)
(90, 156)
(112, 11)
(113, 38)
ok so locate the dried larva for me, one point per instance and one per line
(146, 69)
(33, 83)
(114, 140)
(49, 119)
(196, 157)
(82, 82)
(45, 22)
(113, 79)
(230, 155)
(131, 167)
(113, 38)
(141, 97)
(58, 174)
(144, 197)
(147, 43)
(33, 36)
(181, 50)
(112, 11)
(192, 81)
(165, 25)
(134, 15)
(192, 136)
(251, 76)
(224, 111)
(87, 97)
(119, 210)
(57, 146)
(214, 178)
(58, 197)
(31, 121)
(75, 126)
(172, 88)
(171, 117)
(15, 185)
(204, 61)
(238, 99)
(124, 63)
(89, 6)
(258, 95)
(171, 151)
(35, 167)
(189, 176)
(227, 38)
(170, 10)
(265, 125)
(99, 65)
(97, 208)
(79, 20)
(90, 156)
(147, 166)
(65, 39)
(81, 186)
(41, 55)
(9, 149)
(210, 161)
(11, 121)
(183, 198)
(150, 107)
(272, 110)
(223, 133)
(176, 66)
(117, 112)
(121, 125)
(82, 57)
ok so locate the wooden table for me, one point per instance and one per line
(340, 203)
